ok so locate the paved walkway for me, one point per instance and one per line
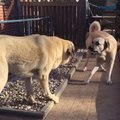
(96, 101)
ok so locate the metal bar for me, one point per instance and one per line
(105, 17)
(28, 21)
(23, 20)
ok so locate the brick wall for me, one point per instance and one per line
(1, 12)
(8, 12)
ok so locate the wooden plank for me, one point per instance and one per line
(96, 101)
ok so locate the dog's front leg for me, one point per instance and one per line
(110, 64)
(3, 73)
(94, 70)
(28, 86)
(45, 85)
(102, 68)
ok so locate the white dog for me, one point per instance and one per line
(34, 55)
(104, 47)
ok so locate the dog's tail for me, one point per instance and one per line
(95, 26)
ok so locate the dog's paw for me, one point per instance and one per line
(103, 69)
(86, 82)
(109, 82)
(32, 100)
(85, 69)
(54, 98)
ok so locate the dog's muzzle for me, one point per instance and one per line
(93, 52)
(90, 48)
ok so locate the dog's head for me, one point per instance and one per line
(69, 51)
(98, 45)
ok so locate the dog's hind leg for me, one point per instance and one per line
(94, 70)
(29, 90)
(3, 72)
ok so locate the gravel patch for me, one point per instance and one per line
(14, 94)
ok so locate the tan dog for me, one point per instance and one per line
(34, 55)
(104, 47)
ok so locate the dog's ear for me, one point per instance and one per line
(106, 44)
(71, 50)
